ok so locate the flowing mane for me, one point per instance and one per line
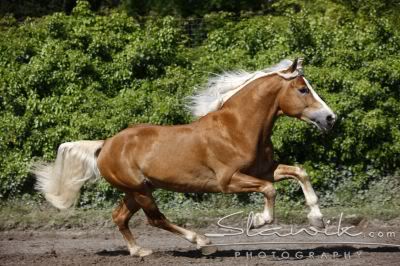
(221, 87)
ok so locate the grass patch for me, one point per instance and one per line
(19, 215)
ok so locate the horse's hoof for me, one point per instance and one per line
(202, 241)
(258, 221)
(317, 222)
(208, 250)
(140, 252)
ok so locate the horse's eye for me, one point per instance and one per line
(304, 90)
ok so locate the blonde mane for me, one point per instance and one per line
(221, 87)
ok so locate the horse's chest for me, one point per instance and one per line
(263, 161)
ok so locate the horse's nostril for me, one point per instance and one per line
(330, 118)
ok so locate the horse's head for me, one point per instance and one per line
(298, 99)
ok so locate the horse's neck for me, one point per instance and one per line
(256, 106)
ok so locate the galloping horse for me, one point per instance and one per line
(227, 150)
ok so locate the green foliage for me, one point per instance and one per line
(87, 76)
(190, 8)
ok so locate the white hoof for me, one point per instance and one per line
(208, 250)
(316, 221)
(258, 220)
(203, 244)
(202, 241)
(269, 220)
(140, 252)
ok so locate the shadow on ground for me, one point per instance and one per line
(338, 251)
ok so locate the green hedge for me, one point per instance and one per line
(87, 76)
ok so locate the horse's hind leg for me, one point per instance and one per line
(121, 216)
(157, 219)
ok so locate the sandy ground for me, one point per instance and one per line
(106, 247)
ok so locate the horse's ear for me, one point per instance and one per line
(300, 70)
(300, 63)
(290, 72)
(293, 67)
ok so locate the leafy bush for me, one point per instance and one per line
(87, 76)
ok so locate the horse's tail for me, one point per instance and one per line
(61, 181)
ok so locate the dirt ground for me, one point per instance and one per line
(106, 247)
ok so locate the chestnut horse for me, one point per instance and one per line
(227, 150)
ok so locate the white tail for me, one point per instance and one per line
(62, 180)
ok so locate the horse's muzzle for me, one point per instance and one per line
(324, 121)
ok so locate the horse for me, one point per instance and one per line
(228, 149)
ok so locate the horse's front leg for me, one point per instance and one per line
(240, 183)
(294, 172)
(267, 216)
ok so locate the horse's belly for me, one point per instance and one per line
(182, 178)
